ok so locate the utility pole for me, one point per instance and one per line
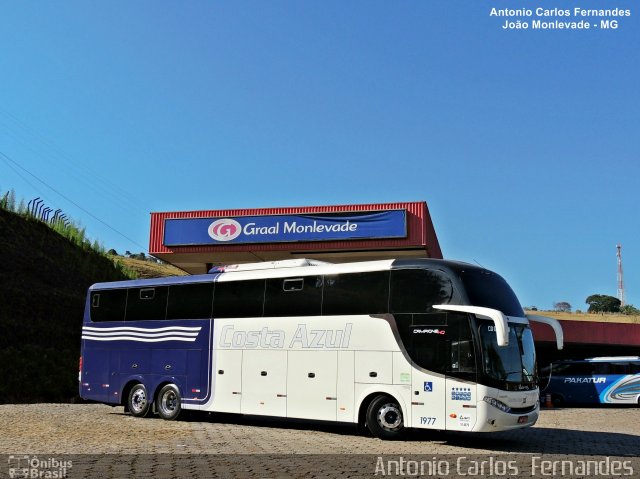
(620, 280)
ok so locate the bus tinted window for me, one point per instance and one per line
(439, 342)
(463, 358)
(620, 368)
(417, 290)
(293, 296)
(190, 301)
(430, 351)
(573, 369)
(489, 290)
(601, 368)
(146, 304)
(356, 293)
(238, 299)
(108, 304)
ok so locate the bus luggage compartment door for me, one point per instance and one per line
(264, 383)
(227, 380)
(100, 378)
(311, 385)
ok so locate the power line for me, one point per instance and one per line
(43, 196)
(33, 140)
(8, 159)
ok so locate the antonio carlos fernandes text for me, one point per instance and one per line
(465, 466)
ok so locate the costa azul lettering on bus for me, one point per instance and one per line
(303, 337)
(585, 380)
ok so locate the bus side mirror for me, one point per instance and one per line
(555, 324)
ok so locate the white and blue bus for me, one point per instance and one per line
(391, 344)
(604, 380)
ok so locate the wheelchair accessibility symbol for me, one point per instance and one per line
(428, 386)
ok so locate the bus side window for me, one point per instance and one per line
(293, 296)
(429, 350)
(580, 369)
(239, 299)
(190, 301)
(108, 305)
(634, 368)
(600, 368)
(417, 290)
(146, 304)
(356, 293)
(620, 368)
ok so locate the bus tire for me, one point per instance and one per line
(385, 419)
(169, 402)
(138, 402)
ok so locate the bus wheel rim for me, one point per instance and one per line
(390, 417)
(139, 400)
(169, 400)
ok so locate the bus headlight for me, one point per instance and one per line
(497, 404)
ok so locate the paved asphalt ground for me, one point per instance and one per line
(114, 444)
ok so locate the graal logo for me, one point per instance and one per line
(225, 229)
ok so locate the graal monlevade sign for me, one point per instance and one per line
(285, 228)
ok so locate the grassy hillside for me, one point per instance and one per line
(147, 269)
(597, 317)
(43, 282)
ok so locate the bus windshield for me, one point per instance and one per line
(514, 363)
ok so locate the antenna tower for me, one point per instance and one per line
(620, 281)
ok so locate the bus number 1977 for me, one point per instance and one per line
(427, 420)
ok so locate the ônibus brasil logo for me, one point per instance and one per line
(225, 229)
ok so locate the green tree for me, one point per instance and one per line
(562, 306)
(630, 309)
(602, 303)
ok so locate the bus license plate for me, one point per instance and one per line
(522, 419)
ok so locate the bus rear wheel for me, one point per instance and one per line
(138, 401)
(384, 418)
(169, 402)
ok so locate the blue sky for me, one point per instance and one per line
(524, 143)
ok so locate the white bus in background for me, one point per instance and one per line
(389, 344)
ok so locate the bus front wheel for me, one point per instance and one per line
(384, 418)
(169, 402)
(138, 401)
